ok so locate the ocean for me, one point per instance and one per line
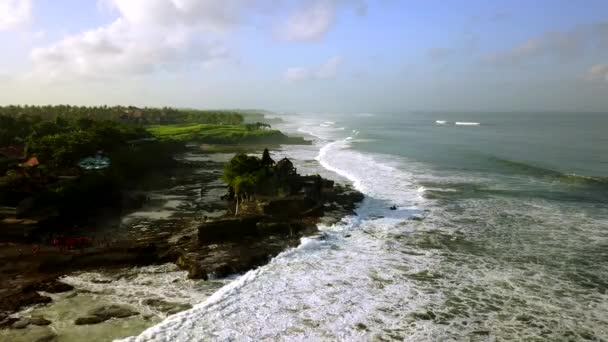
(500, 233)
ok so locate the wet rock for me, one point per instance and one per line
(481, 332)
(228, 229)
(193, 266)
(86, 320)
(17, 229)
(112, 311)
(179, 308)
(21, 323)
(72, 295)
(53, 286)
(26, 206)
(46, 336)
(167, 307)
(17, 300)
(425, 316)
(293, 207)
(40, 321)
(101, 281)
(133, 200)
(7, 321)
(348, 199)
(104, 313)
(197, 272)
(361, 326)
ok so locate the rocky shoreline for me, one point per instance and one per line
(211, 249)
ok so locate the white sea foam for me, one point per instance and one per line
(459, 123)
(441, 122)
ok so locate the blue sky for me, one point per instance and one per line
(308, 55)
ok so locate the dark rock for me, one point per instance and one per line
(426, 316)
(348, 198)
(101, 281)
(316, 211)
(47, 336)
(179, 308)
(50, 287)
(12, 229)
(40, 321)
(104, 313)
(86, 320)
(112, 311)
(18, 300)
(7, 322)
(167, 307)
(133, 200)
(291, 207)
(228, 229)
(193, 266)
(26, 207)
(197, 272)
(269, 228)
(21, 323)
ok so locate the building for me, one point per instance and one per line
(285, 168)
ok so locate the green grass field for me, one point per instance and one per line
(220, 134)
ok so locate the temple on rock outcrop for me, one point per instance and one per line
(285, 168)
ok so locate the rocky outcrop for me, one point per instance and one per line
(13, 229)
(51, 286)
(144, 254)
(24, 322)
(87, 320)
(14, 301)
(104, 313)
(294, 206)
(39, 321)
(228, 229)
(167, 307)
(21, 323)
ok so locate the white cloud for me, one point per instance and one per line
(296, 74)
(598, 72)
(327, 70)
(209, 14)
(312, 21)
(14, 13)
(148, 35)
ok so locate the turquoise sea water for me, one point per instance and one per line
(520, 207)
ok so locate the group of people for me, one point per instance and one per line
(69, 243)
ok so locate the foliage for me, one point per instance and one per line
(266, 159)
(61, 144)
(128, 115)
(244, 174)
(256, 126)
(14, 129)
(218, 134)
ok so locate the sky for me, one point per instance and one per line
(308, 55)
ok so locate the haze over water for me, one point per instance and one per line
(500, 233)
